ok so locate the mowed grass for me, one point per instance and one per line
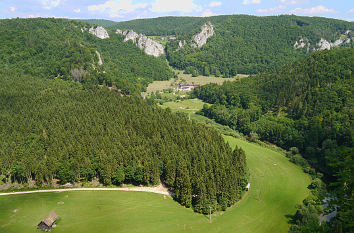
(188, 105)
(187, 78)
(276, 187)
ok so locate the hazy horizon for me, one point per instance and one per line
(123, 10)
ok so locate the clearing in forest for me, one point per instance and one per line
(186, 78)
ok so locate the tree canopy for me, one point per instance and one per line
(74, 132)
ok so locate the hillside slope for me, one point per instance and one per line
(65, 49)
(58, 129)
(308, 104)
(243, 43)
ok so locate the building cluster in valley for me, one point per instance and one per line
(186, 87)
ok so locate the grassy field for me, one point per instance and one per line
(187, 78)
(188, 105)
(276, 186)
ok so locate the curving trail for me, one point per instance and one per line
(158, 189)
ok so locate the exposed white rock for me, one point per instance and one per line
(301, 43)
(323, 44)
(181, 44)
(337, 43)
(149, 46)
(99, 32)
(99, 58)
(201, 38)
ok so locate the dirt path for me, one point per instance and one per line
(158, 189)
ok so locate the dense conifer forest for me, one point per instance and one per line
(64, 130)
(242, 43)
(306, 106)
(59, 48)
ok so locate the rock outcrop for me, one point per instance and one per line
(99, 32)
(323, 44)
(201, 38)
(99, 58)
(181, 44)
(302, 43)
(145, 43)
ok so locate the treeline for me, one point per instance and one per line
(73, 132)
(308, 105)
(59, 48)
(101, 22)
(162, 26)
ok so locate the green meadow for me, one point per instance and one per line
(276, 187)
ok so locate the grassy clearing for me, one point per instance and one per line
(188, 105)
(276, 186)
(187, 78)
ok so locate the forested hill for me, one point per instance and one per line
(73, 132)
(243, 43)
(308, 104)
(163, 26)
(101, 22)
(60, 48)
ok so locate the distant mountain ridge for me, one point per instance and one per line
(69, 49)
(243, 43)
(100, 22)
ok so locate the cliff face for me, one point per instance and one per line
(145, 43)
(201, 38)
(323, 43)
(99, 32)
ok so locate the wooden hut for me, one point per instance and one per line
(48, 222)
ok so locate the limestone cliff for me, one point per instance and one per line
(99, 32)
(145, 43)
(323, 43)
(207, 31)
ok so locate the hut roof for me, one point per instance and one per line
(50, 218)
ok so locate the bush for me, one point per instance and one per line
(119, 176)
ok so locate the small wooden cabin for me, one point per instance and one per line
(48, 222)
(248, 186)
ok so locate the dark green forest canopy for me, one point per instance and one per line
(162, 26)
(101, 22)
(242, 43)
(308, 104)
(64, 130)
(59, 48)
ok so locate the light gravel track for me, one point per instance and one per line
(159, 189)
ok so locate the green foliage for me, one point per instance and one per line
(119, 176)
(59, 48)
(162, 26)
(242, 43)
(101, 22)
(305, 106)
(61, 129)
